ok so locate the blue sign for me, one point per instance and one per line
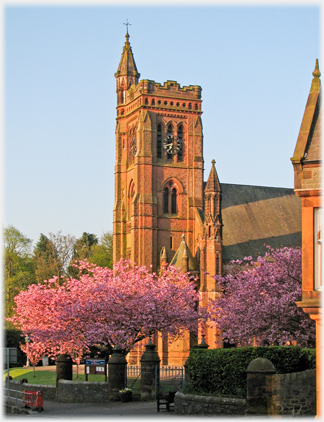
(95, 362)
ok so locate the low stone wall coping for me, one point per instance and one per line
(209, 399)
(195, 404)
(86, 383)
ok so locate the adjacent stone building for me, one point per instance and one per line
(164, 212)
(308, 174)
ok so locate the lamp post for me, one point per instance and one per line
(27, 343)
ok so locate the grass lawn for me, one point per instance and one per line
(49, 377)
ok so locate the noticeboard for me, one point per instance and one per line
(9, 355)
(95, 367)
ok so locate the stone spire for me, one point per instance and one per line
(127, 73)
(127, 66)
(213, 193)
(212, 184)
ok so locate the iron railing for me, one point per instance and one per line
(11, 396)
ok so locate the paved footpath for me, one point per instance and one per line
(53, 409)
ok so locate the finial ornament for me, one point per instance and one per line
(316, 72)
(213, 162)
(127, 25)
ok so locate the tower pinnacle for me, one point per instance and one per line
(316, 82)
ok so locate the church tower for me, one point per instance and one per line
(158, 168)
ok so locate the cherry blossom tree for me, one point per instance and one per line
(257, 305)
(102, 306)
(34, 351)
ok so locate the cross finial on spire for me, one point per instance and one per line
(213, 162)
(127, 25)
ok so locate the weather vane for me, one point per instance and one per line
(127, 25)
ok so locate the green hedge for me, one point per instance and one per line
(223, 371)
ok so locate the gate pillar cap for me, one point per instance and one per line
(261, 365)
(63, 358)
(117, 349)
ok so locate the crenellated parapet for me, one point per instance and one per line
(169, 96)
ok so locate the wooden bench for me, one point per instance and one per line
(165, 400)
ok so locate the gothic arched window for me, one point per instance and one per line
(174, 201)
(166, 201)
(131, 193)
(170, 199)
(159, 141)
(180, 137)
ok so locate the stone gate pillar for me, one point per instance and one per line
(117, 372)
(259, 387)
(150, 372)
(64, 368)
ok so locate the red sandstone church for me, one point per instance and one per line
(164, 212)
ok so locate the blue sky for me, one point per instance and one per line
(254, 65)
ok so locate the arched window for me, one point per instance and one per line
(131, 193)
(174, 201)
(180, 137)
(170, 199)
(198, 256)
(217, 265)
(159, 141)
(190, 106)
(166, 201)
(153, 102)
(146, 101)
(196, 106)
(209, 231)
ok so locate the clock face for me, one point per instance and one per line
(133, 146)
(171, 144)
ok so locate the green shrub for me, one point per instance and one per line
(223, 371)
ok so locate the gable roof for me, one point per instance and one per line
(308, 143)
(255, 216)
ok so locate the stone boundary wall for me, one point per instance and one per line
(294, 394)
(194, 404)
(82, 392)
(11, 408)
(49, 391)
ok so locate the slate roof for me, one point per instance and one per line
(255, 216)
